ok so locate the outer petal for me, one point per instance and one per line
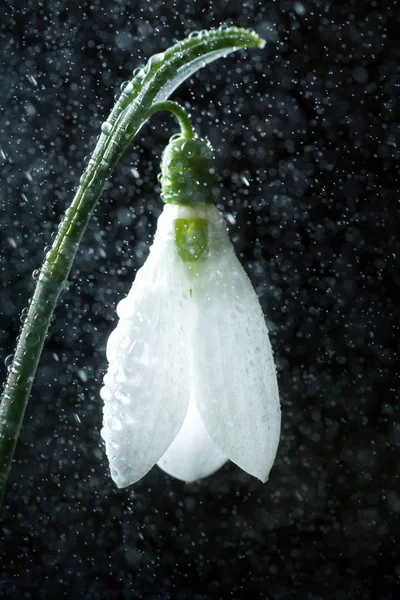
(192, 455)
(233, 373)
(146, 388)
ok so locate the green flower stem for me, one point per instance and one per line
(149, 87)
(176, 109)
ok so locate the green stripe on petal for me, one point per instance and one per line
(191, 237)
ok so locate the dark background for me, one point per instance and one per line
(305, 133)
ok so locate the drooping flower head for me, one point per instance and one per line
(191, 381)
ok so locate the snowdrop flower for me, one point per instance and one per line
(191, 380)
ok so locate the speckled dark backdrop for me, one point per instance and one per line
(305, 133)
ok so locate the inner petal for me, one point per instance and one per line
(192, 455)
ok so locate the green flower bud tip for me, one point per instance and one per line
(188, 171)
(191, 237)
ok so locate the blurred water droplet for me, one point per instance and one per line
(40, 319)
(31, 79)
(299, 8)
(82, 375)
(30, 109)
(77, 418)
(35, 274)
(135, 172)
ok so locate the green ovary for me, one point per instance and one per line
(191, 238)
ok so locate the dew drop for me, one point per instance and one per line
(157, 58)
(106, 127)
(115, 424)
(24, 314)
(105, 394)
(32, 338)
(8, 362)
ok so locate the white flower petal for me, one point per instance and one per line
(146, 389)
(192, 455)
(233, 373)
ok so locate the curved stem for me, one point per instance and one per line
(139, 99)
(179, 112)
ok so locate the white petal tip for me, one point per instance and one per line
(124, 480)
(192, 455)
(164, 466)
